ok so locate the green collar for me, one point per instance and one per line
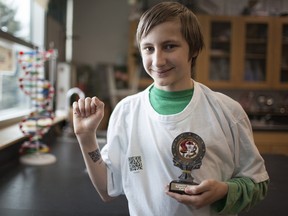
(168, 103)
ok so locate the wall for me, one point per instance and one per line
(100, 31)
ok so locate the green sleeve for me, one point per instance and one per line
(242, 195)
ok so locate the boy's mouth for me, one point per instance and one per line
(162, 72)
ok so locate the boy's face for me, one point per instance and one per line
(165, 55)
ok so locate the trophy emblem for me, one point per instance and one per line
(188, 150)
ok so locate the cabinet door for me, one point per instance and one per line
(255, 52)
(215, 64)
(281, 53)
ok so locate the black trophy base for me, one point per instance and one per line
(178, 186)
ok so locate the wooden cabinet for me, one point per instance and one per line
(241, 52)
(271, 142)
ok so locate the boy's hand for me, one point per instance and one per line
(201, 195)
(87, 115)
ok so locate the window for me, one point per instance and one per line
(15, 18)
(12, 99)
(21, 28)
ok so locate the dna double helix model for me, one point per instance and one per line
(41, 92)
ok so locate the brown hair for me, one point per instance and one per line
(167, 11)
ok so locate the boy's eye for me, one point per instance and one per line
(148, 49)
(169, 46)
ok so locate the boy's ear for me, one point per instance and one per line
(195, 54)
(194, 57)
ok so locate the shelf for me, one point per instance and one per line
(220, 40)
(255, 56)
(256, 41)
(219, 53)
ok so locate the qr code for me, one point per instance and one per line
(135, 163)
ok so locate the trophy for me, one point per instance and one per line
(188, 150)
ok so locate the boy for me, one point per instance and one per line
(137, 160)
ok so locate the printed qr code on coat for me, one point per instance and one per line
(135, 163)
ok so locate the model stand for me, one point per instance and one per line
(39, 121)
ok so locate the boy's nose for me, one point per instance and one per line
(159, 58)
